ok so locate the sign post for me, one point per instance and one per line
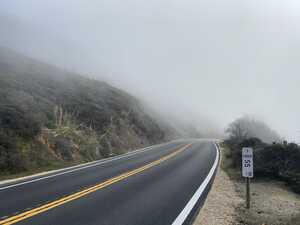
(247, 171)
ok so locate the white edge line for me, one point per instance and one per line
(192, 202)
(102, 161)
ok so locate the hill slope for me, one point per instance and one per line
(48, 115)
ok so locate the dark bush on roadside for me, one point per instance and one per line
(10, 157)
(15, 121)
(276, 161)
(235, 147)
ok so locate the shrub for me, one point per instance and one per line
(277, 161)
(14, 120)
(10, 158)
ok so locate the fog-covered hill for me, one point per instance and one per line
(48, 115)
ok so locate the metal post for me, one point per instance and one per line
(248, 193)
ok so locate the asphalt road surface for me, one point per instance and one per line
(159, 185)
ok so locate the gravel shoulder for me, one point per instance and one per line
(272, 204)
(221, 203)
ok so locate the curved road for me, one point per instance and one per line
(161, 185)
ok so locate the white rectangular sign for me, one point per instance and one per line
(247, 162)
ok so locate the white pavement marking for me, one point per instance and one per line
(192, 202)
(93, 164)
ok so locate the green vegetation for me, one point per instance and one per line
(50, 117)
(227, 162)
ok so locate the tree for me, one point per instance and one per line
(249, 127)
(237, 130)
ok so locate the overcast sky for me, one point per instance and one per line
(204, 60)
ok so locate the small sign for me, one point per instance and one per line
(247, 162)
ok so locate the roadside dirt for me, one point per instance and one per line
(272, 203)
(221, 203)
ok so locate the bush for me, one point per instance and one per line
(18, 122)
(277, 161)
(10, 158)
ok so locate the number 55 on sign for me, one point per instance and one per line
(247, 162)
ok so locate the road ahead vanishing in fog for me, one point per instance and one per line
(161, 185)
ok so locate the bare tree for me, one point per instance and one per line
(248, 127)
(237, 130)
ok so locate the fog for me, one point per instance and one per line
(207, 62)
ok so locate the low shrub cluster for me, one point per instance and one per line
(277, 161)
(16, 127)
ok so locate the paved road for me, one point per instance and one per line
(161, 185)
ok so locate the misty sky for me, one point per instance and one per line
(205, 60)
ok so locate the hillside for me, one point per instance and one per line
(49, 116)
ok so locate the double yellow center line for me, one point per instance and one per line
(46, 207)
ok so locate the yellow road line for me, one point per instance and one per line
(46, 207)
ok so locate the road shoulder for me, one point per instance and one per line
(221, 203)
